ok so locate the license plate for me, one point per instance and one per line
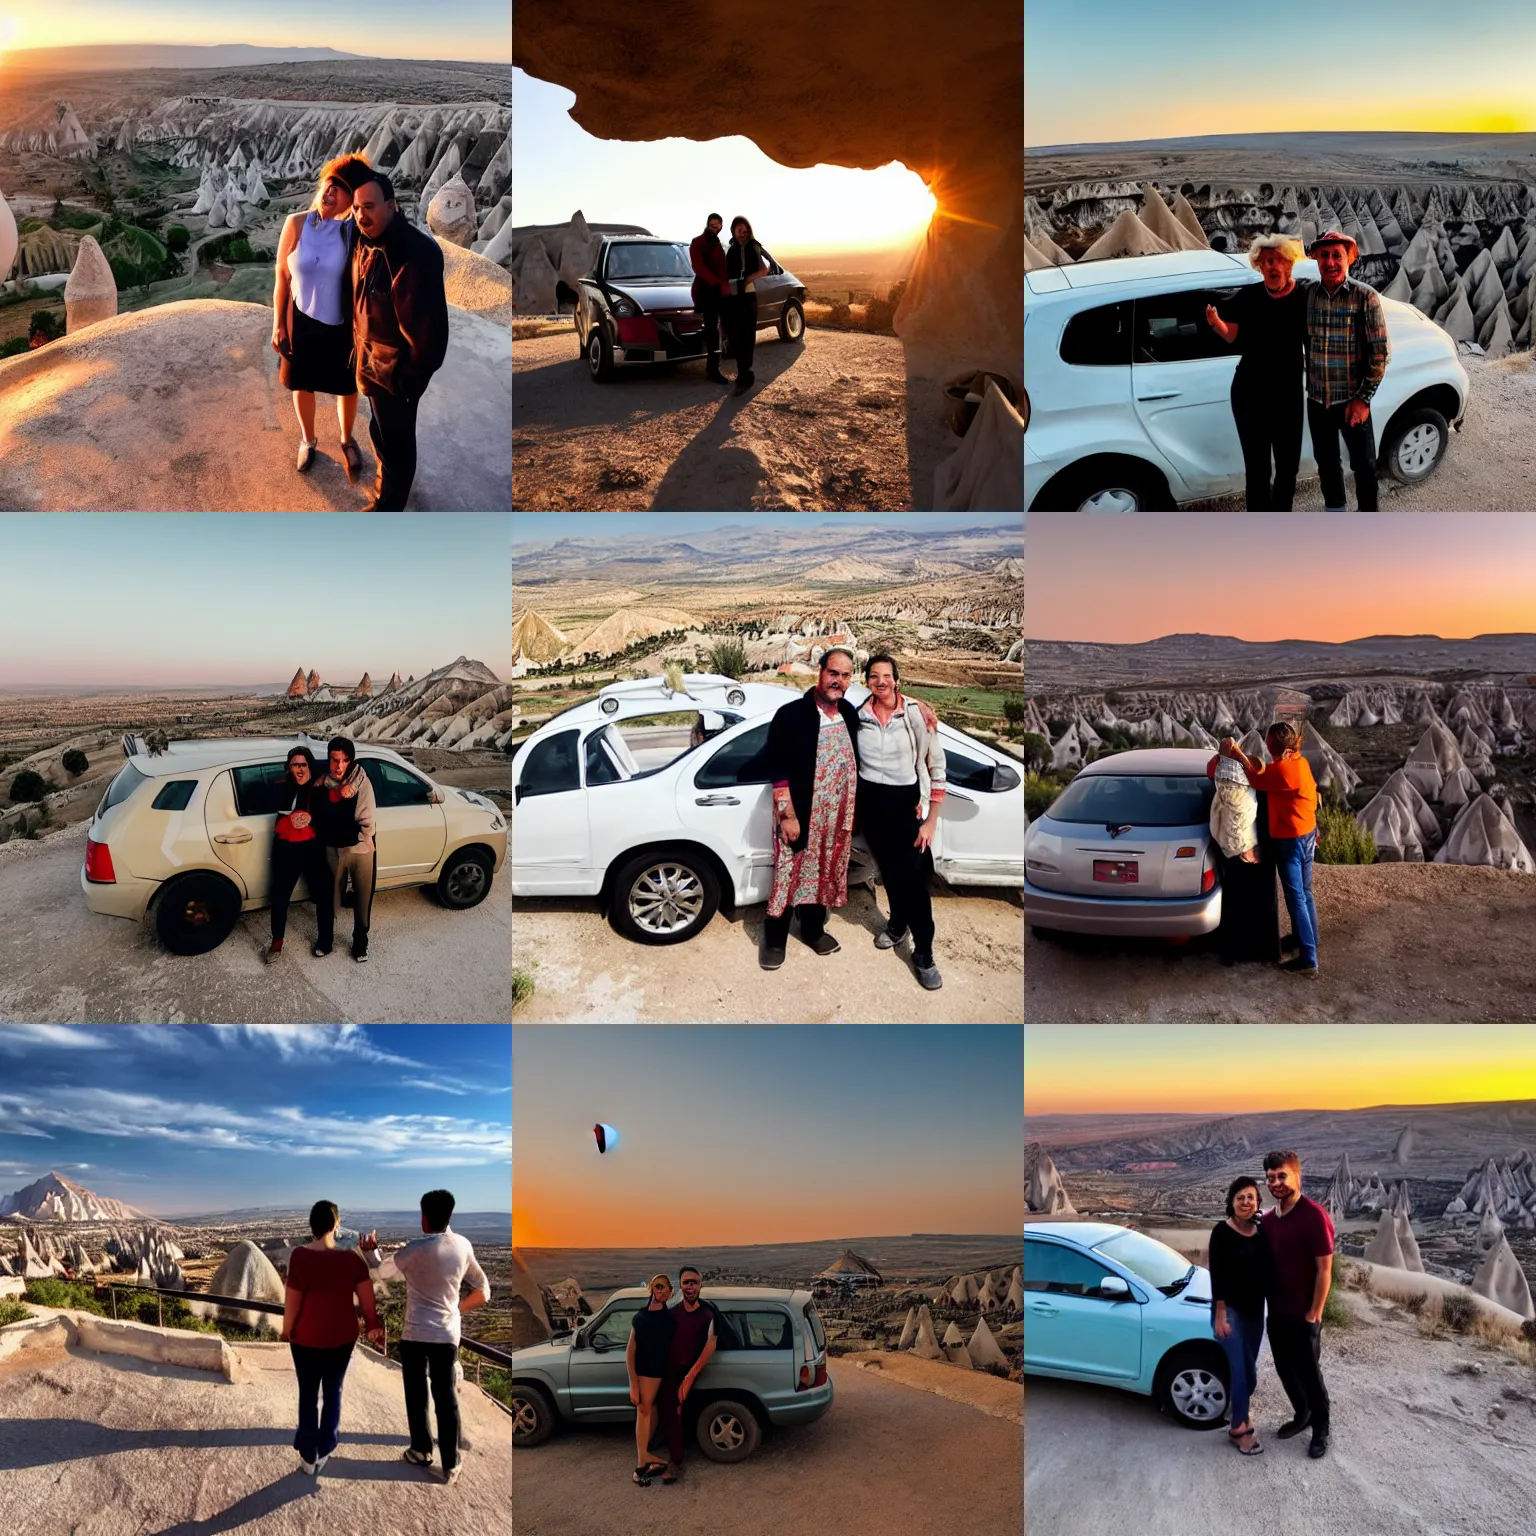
(1116, 871)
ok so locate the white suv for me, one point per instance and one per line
(189, 832)
(1130, 389)
(664, 820)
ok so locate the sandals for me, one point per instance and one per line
(353, 458)
(1236, 1442)
(642, 1477)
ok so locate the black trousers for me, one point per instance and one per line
(888, 820)
(741, 324)
(708, 305)
(392, 431)
(289, 862)
(1296, 1345)
(1269, 428)
(813, 923)
(420, 1363)
(1328, 425)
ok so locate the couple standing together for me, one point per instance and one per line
(320, 1327)
(1322, 343)
(724, 291)
(359, 305)
(668, 1347)
(1282, 1260)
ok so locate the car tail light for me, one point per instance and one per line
(1208, 879)
(1186, 852)
(821, 1374)
(805, 1378)
(639, 332)
(98, 863)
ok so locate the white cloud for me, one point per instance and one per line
(425, 1082)
(16, 1038)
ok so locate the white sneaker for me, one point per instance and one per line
(306, 1467)
(320, 1465)
(451, 1476)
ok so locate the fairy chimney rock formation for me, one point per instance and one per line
(296, 689)
(924, 1344)
(983, 1348)
(1500, 1278)
(312, 681)
(247, 1273)
(90, 294)
(364, 689)
(1044, 1193)
(451, 213)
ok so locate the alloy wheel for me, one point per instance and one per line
(524, 1419)
(467, 881)
(666, 898)
(726, 1432)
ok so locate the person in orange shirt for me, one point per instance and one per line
(1292, 798)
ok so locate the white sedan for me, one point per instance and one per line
(665, 820)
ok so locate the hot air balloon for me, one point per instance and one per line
(607, 1137)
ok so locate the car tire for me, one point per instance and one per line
(1113, 486)
(533, 1417)
(465, 881)
(693, 887)
(195, 913)
(1193, 1386)
(1416, 442)
(599, 355)
(792, 322)
(727, 1430)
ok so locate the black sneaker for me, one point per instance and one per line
(890, 939)
(360, 955)
(1293, 1427)
(825, 944)
(320, 951)
(1319, 1445)
(1290, 944)
(1297, 966)
(772, 957)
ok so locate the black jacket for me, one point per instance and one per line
(399, 310)
(794, 734)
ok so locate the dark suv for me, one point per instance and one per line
(636, 305)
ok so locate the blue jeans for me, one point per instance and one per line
(1241, 1347)
(1293, 858)
(320, 1373)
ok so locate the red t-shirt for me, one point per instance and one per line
(325, 1280)
(292, 834)
(1297, 1242)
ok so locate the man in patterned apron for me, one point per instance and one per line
(813, 760)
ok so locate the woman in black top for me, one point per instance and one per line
(650, 1337)
(744, 264)
(1268, 321)
(298, 851)
(1240, 1269)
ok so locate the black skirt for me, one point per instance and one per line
(319, 359)
(1250, 907)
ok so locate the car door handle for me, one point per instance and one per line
(954, 794)
(1045, 1311)
(1172, 394)
(717, 800)
(242, 836)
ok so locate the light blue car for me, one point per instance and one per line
(1108, 1305)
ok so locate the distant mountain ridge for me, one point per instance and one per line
(55, 1198)
(96, 58)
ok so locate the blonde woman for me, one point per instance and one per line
(312, 307)
(1267, 322)
(650, 1338)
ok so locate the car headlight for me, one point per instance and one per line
(624, 307)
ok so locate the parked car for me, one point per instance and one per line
(769, 1368)
(663, 822)
(1116, 1308)
(1130, 388)
(1125, 849)
(187, 834)
(636, 305)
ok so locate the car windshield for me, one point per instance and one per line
(1149, 1260)
(1137, 800)
(642, 260)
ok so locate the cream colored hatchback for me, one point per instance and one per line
(188, 832)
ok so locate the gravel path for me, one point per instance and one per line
(1400, 943)
(825, 428)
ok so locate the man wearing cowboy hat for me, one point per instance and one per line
(1347, 351)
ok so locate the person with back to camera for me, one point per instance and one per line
(650, 1339)
(298, 853)
(1241, 1265)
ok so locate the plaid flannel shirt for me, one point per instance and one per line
(1338, 367)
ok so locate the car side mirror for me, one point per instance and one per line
(1114, 1288)
(436, 797)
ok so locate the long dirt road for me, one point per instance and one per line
(833, 424)
(61, 964)
(1430, 1437)
(1426, 943)
(884, 1460)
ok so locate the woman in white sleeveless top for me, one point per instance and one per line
(312, 308)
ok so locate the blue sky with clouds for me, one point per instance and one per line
(192, 1119)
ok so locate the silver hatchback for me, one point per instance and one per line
(1125, 849)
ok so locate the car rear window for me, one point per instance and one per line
(813, 1321)
(128, 779)
(1172, 328)
(261, 790)
(742, 761)
(393, 785)
(1137, 800)
(1099, 338)
(175, 795)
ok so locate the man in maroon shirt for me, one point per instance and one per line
(693, 1343)
(1301, 1240)
(707, 258)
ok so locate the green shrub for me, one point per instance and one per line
(14, 347)
(522, 987)
(1013, 710)
(76, 762)
(1458, 1311)
(1336, 1313)
(1037, 751)
(1341, 839)
(1040, 790)
(728, 658)
(12, 1311)
(53, 1292)
(47, 323)
(28, 785)
(177, 238)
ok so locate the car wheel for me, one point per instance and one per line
(1123, 486)
(196, 913)
(664, 898)
(533, 1420)
(1416, 442)
(465, 881)
(728, 1431)
(599, 355)
(792, 322)
(1192, 1386)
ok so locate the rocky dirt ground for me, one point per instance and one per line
(1430, 1437)
(60, 963)
(1400, 942)
(832, 424)
(585, 973)
(885, 1458)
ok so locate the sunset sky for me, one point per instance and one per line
(1096, 71)
(669, 186)
(1277, 576)
(744, 1134)
(1197, 1069)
